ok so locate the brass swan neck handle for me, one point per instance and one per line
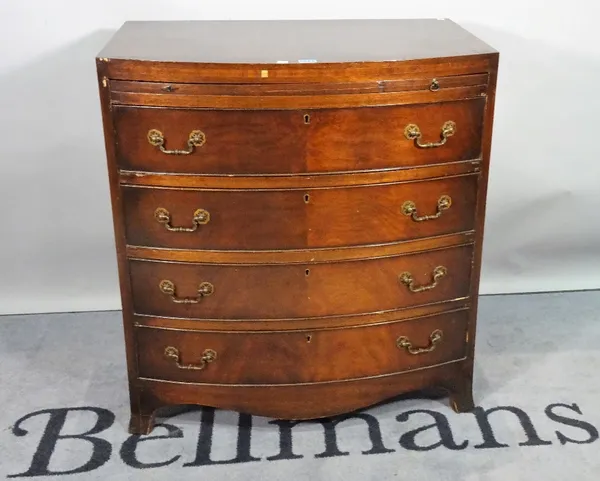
(197, 138)
(413, 132)
(407, 279)
(435, 338)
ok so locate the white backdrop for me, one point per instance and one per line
(56, 241)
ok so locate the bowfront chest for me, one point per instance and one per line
(298, 210)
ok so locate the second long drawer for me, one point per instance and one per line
(298, 218)
(208, 291)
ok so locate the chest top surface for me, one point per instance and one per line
(292, 41)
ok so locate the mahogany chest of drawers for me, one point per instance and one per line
(298, 210)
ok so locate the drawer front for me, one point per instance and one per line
(301, 356)
(296, 219)
(208, 291)
(283, 141)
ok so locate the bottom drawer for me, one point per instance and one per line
(288, 357)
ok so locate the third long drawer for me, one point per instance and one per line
(209, 291)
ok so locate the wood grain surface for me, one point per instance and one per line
(269, 41)
(304, 172)
(302, 290)
(284, 357)
(279, 142)
(305, 401)
(299, 218)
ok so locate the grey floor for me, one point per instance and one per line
(538, 356)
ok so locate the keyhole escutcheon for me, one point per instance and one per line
(306, 119)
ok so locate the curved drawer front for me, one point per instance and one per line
(303, 290)
(296, 219)
(301, 356)
(279, 141)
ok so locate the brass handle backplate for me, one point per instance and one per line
(410, 208)
(406, 278)
(435, 338)
(413, 132)
(197, 138)
(208, 356)
(201, 217)
(168, 287)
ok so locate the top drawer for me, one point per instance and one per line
(297, 141)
